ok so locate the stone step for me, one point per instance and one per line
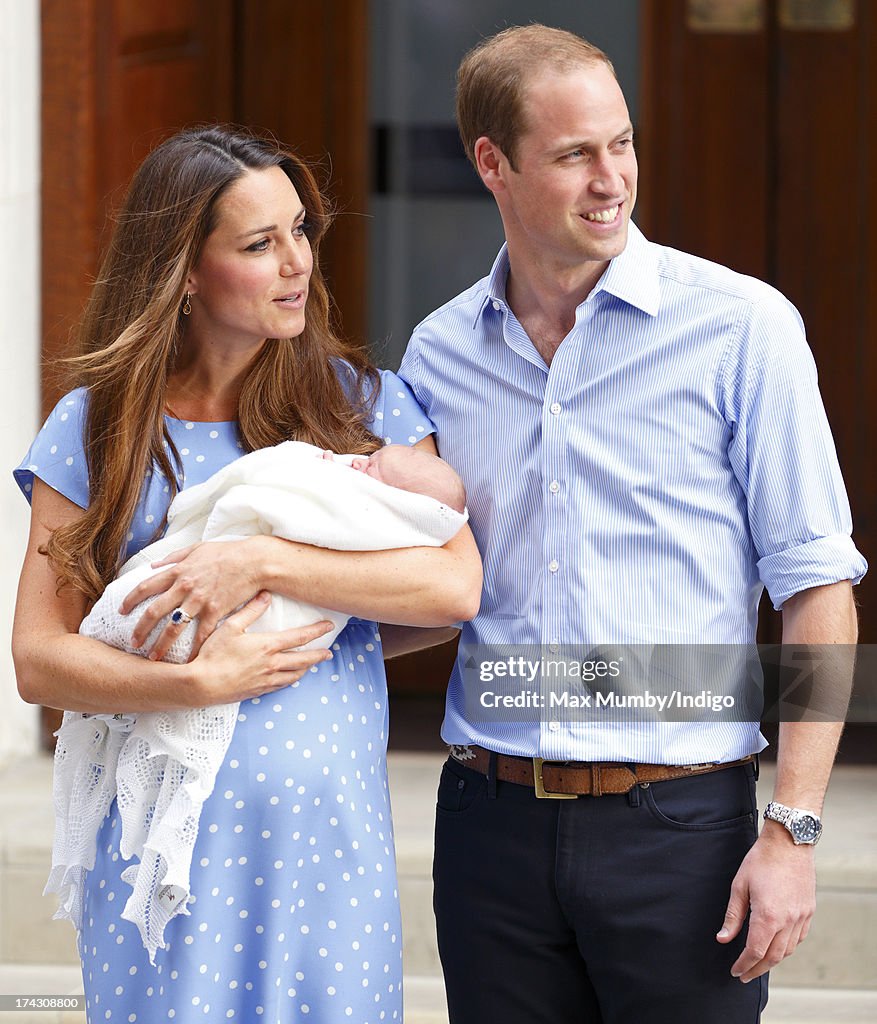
(840, 952)
(425, 1001)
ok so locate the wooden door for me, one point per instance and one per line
(117, 76)
(304, 76)
(758, 151)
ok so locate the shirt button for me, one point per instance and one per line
(554, 726)
(555, 408)
(553, 565)
(497, 305)
(554, 487)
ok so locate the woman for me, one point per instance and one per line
(207, 335)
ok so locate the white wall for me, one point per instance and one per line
(19, 327)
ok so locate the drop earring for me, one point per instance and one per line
(187, 306)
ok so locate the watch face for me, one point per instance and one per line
(805, 828)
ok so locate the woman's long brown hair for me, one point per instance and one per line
(133, 325)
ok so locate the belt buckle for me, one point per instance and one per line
(541, 792)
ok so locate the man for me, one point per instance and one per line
(644, 449)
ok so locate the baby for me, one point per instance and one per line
(411, 469)
(161, 766)
(283, 491)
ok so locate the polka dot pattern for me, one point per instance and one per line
(296, 911)
(295, 895)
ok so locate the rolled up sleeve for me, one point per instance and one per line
(784, 458)
(816, 563)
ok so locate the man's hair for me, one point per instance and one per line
(492, 81)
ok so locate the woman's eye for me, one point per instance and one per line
(260, 246)
(300, 230)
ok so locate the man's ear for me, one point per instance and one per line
(492, 165)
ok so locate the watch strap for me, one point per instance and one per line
(776, 811)
(787, 816)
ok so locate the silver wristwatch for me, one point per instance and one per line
(805, 827)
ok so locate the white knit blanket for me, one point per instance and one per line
(161, 766)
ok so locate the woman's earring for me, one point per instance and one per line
(187, 306)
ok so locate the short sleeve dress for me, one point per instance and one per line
(295, 913)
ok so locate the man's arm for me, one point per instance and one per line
(776, 882)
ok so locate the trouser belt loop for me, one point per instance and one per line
(491, 776)
(596, 786)
(633, 794)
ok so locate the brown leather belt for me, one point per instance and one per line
(560, 780)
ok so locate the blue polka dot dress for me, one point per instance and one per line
(295, 913)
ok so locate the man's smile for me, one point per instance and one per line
(606, 216)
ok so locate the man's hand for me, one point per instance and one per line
(776, 885)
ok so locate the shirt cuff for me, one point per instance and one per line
(816, 563)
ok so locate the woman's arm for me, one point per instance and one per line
(420, 586)
(56, 666)
(415, 586)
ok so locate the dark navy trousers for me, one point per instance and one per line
(599, 910)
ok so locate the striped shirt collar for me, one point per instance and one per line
(632, 277)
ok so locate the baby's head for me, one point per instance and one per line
(411, 469)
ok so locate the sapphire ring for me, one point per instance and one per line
(180, 618)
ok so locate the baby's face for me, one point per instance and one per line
(413, 470)
(393, 464)
(401, 466)
(376, 465)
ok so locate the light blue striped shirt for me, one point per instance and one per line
(672, 462)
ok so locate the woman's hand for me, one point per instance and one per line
(234, 665)
(207, 581)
